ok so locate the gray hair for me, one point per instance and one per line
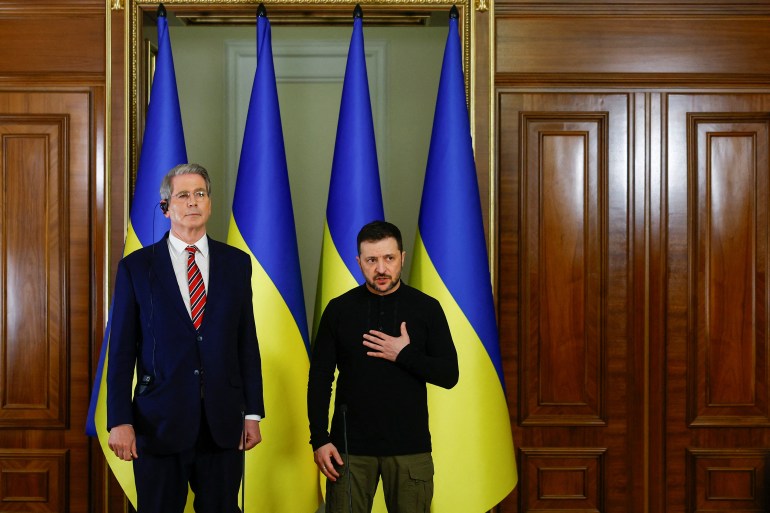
(183, 169)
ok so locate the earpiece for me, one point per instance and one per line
(164, 205)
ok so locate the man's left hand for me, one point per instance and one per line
(385, 346)
(253, 435)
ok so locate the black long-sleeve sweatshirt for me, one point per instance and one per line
(387, 409)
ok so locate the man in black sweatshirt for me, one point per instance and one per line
(387, 340)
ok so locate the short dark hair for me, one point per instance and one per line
(379, 230)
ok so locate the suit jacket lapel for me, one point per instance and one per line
(163, 272)
(217, 280)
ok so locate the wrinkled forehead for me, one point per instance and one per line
(188, 182)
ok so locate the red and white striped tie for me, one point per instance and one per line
(197, 288)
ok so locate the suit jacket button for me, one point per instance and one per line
(200, 338)
(196, 372)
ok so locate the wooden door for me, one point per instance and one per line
(568, 301)
(715, 301)
(635, 299)
(45, 279)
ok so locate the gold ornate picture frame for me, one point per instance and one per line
(148, 69)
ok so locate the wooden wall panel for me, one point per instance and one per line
(52, 65)
(715, 204)
(697, 75)
(727, 480)
(563, 479)
(33, 349)
(33, 481)
(46, 167)
(729, 186)
(564, 172)
(73, 43)
(647, 43)
(566, 299)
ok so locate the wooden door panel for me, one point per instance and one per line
(562, 479)
(717, 423)
(565, 299)
(34, 180)
(45, 277)
(726, 480)
(729, 185)
(562, 269)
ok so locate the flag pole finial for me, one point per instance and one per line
(261, 11)
(161, 11)
(358, 12)
(454, 13)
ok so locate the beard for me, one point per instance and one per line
(387, 287)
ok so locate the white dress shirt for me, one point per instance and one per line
(177, 248)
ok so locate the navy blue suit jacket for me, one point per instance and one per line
(219, 365)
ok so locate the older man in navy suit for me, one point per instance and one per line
(183, 319)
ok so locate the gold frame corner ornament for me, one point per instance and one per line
(117, 5)
(482, 6)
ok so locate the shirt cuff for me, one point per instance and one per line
(253, 417)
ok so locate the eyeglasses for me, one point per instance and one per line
(185, 195)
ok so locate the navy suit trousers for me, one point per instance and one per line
(214, 475)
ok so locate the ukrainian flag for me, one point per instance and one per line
(163, 148)
(280, 472)
(450, 263)
(355, 196)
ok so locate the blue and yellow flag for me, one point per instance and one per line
(450, 263)
(355, 196)
(280, 472)
(163, 147)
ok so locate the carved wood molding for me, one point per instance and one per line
(34, 480)
(53, 81)
(629, 9)
(727, 479)
(563, 478)
(625, 81)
